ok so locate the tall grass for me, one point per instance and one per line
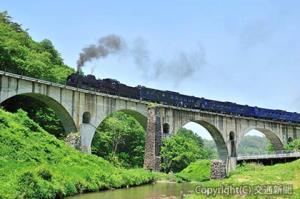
(34, 164)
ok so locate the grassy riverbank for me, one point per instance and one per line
(34, 164)
(197, 171)
(254, 175)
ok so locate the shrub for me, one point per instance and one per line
(45, 174)
(196, 171)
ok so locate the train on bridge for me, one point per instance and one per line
(114, 87)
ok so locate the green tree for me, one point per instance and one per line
(252, 144)
(120, 139)
(20, 54)
(181, 149)
(211, 148)
(270, 147)
(293, 145)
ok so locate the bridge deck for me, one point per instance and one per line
(269, 156)
(17, 76)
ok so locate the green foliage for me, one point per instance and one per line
(252, 144)
(246, 167)
(293, 145)
(182, 149)
(167, 177)
(20, 54)
(121, 140)
(211, 148)
(196, 171)
(270, 147)
(34, 164)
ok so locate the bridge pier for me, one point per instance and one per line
(87, 132)
(232, 158)
(231, 164)
(152, 158)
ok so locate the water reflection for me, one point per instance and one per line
(153, 191)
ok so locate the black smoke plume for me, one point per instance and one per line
(175, 69)
(105, 46)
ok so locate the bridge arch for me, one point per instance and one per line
(138, 116)
(216, 136)
(141, 118)
(88, 130)
(64, 116)
(269, 134)
(117, 147)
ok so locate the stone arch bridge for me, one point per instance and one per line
(84, 110)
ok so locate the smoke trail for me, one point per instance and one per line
(181, 66)
(141, 56)
(255, 33)
(105, 46)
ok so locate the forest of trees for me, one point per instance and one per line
(121, 140)
(20, 54)
(183, 148)
(252, 144)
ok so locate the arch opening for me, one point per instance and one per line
(258, 141)
(142, 119)
(232, 144)
(86, 117)
(211, 133)
(196, 140)
(166, 128)
(290, 139)
(120, 138)
(44, 110)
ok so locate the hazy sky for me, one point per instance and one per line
(243, 51)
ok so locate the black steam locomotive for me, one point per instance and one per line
(114, 87)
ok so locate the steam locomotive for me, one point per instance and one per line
(114, 87)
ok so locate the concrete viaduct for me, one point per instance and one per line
(83, 111)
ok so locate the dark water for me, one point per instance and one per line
(158, 190)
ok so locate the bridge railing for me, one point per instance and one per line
(273, 154)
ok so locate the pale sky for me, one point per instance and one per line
(245, 51)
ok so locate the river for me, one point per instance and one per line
(151, 191)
